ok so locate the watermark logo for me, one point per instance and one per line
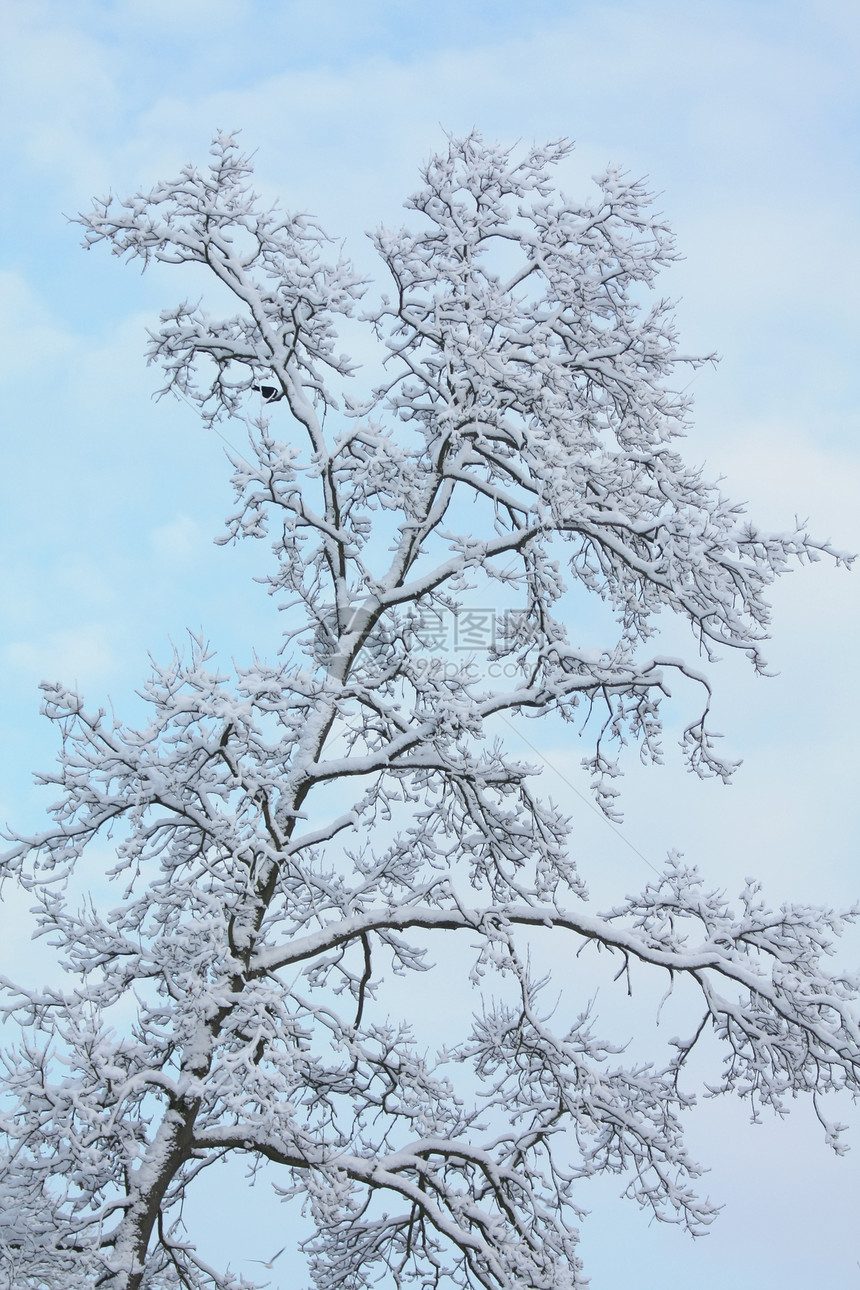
(447, 641)
(442, 642)
(461, 630)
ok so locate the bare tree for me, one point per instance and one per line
(520, 446)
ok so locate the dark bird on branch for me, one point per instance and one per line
(270, 393)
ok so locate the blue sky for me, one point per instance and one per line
(746, 118)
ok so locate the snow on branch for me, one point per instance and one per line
(286, 839)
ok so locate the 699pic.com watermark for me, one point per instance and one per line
(446, 641)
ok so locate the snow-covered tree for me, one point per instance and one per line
(285, 840)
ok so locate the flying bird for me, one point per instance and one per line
(270, 393)
(263, 1263)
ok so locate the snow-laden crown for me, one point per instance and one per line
(285, 840)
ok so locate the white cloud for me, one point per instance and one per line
(77, 656)
(32, 342)
(177, 541)
(783, 472)
(199, 18)
(59, 90)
